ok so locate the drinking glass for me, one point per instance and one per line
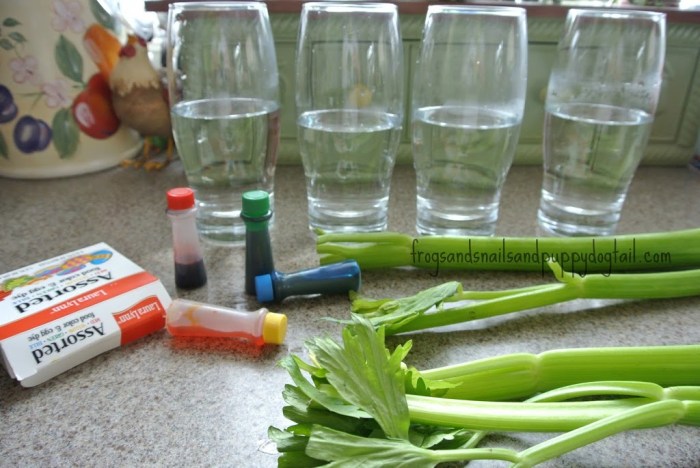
(467, 107)
(602, 95)
(349, 100)
(224, 96)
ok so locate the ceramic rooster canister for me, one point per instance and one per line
(140, 101)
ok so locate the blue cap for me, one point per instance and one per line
(263, 288)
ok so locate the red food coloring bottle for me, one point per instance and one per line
(190, 271)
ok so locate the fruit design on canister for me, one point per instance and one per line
(8, 107)
(103, 48)
(93, 111)
(29, 134)
(89, 113)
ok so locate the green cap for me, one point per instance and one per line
(256, 204)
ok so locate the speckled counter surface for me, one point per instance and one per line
(166, 402)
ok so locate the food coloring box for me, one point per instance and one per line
(61, 312)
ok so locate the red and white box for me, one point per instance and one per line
(61, 312)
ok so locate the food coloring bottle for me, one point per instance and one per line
(189, 263)
(196, 319)
(336, 278)
(258, 252)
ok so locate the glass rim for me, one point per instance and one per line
(349, 5)
(616, 14)
(214, 5)
(495, 10)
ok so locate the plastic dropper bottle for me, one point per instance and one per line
(336, 278)
(190, 272)
(196, 319)
(256, 214)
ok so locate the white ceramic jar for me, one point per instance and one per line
(56, 117)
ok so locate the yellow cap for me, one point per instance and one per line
(274, 328)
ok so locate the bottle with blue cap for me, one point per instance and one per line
(256, 214)
(336, 278)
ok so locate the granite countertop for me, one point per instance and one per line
(166, 402)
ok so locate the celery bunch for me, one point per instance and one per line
(449, 304)
(583, 255)
(364, 407)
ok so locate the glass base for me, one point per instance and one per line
(570, 221)
(468, 218)
(348, 217)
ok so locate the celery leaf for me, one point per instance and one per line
(287, 441)
(330, 402)
(348, 451)
(330, 419)
(397, 312)
(367, 375)
(416, 384)
(439, 438)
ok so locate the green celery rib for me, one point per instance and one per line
(521, 375)
(617, 286)
(393, 247)
(692, 416)
(514, 416)
(655, 414)
(481, 295)
(543, 296)
(664, 365)
(648, 251)
(456, 455)
(659, 285)
(533, 416)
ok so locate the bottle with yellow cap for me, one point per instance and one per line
(197, 319)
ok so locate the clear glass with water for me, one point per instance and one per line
(468, 102)
(224, 95)
(227, 147)
(462, 157)
(346, 189)
(602, 95)
(349, 101)
(592, 154)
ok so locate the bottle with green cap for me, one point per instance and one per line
(197, 319)
(256, 215)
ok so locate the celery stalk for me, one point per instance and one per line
(610, 388)
(514, 416)
(398, 319)
(392, 426)
(343, 449)
(550, 411)
(518, 376)
(657, 414)
(605, 254)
